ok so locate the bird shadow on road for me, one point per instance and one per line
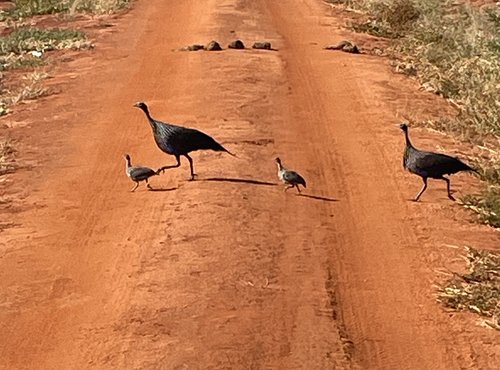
(236, 180)
(162, 189)
(317, 197)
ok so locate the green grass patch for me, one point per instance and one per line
(24, 47)
(478, 290)
(37, 39)
(30, 8)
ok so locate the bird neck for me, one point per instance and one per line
(128, 164)
(148, 115)
(407, 139)
(280, 166)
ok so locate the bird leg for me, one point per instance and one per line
(148, 186)
(288, 187)
(448, 187)
(178, 164)
(191, 167)
(135, 187)
(297, 186)
(422, 190)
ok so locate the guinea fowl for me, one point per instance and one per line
(290, 178)
(430, 165)
(179, 141)
(138, 173)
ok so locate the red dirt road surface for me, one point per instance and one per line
(230, 272)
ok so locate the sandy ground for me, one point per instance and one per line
(229, 271)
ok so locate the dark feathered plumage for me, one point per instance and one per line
(430, 165)
(138, 173)
(179, 141)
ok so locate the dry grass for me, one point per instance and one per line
(100, 6)
(479, 289)
(6, 157)
(31, 88)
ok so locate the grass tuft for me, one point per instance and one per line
(100, 6)
(478, 290)
(486, 205)
(31, 88)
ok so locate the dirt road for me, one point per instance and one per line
(228, 271)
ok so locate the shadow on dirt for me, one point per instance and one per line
(162, 189)
(325, 199)
(245, 181)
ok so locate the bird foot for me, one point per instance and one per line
(193, 177)
(451, 197)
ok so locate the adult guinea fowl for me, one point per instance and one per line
(430, 165)
(138, 173)
(290, 178)
(179, 141)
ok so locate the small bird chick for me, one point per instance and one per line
(138, 173)
(288, 177)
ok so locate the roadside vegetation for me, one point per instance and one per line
(30, 8)
(25, 47)
(478, 290)
(25, 44)
(453, 49)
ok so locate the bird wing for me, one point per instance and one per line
(179, 140)
(293, 178)
(188, 140)
(141, 173)
(438, 164)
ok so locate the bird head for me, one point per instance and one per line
(141, 105)
(403, 126)
(126, 157)
(277, 160)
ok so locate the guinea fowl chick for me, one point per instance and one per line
(288, 177)
(430, 165)
(179, 141)
(138, 173)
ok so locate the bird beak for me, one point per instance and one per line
(136, 105)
